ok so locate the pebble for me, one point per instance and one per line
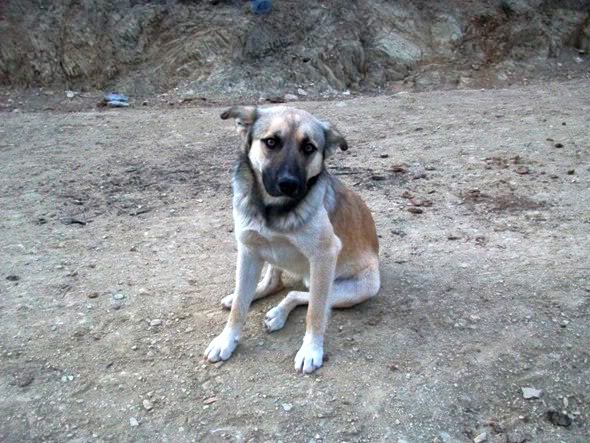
(558, 145)
(210, 400)
(522, 170)
(286, 406)
(481, 438)
(155, 322)
(291, 97)
(147, 405)
(301, 91)
(415, 210)
(119, 296)
(13, 278)
(70, 94)
(93, 295)
(133, 422)
(531, 393)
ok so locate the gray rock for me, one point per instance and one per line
(155, 322)
(147, 405)
(133, 422)
(531, 393)
(481, 438)
(119, 296)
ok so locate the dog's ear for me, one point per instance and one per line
(244, 116)
(334, 139)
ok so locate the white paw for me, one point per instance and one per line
(275, 319)
(221, 347)
(310, 356)
(227, 301)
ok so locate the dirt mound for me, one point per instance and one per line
(146, 46)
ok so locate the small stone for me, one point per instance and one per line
(133, 422)
(384, 156)
(70, 94)
(571, 171)
(407, 194)
(93, 295)
(13, 278)
(453, 237)
(558, 145)
(417, 171)
(119, 296)
(399, 169)
(377, 178)
(301, 91)
(210, 400)
(531, 393)
(558, 418)
(147, 405)
(415, 210)
(522, 170)
(155, 322)
(286, 406)
(291, 97)
(481, 438)
(219, 364)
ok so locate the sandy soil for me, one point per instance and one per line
(117, 247)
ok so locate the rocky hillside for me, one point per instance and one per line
(221, 47)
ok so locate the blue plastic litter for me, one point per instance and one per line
(117, 104)
(260, 7)
(116, 97)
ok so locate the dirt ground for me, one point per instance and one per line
(117, 247)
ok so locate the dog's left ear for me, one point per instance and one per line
(334, 139)
(244, 116)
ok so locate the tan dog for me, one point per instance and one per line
(292, 214)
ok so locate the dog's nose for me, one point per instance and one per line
(289, 186)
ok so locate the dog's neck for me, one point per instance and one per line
(252, 200)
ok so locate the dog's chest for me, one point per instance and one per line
(275, 249)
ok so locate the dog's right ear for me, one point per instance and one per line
(244, 116)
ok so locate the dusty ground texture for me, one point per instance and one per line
(116, 245)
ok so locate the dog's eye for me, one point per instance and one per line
(309, 148)
(270, 143)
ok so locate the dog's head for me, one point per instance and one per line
(285, 146)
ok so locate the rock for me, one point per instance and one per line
(290, 98)
(286, 406)
(147, 405)
(417, 171)
(93, 295)
(415, 210)
(558, 145)
(407, 194)
(155, 322)
(210, 400)
(399, 168)
(481, 438)
(522, 170)
(558, 418)
(13, 278)
(133, 422)
(383, 155)
(70, 94)
(119, 296)
(301, 91)
(571, 171)
(531, 393)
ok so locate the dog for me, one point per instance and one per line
(292, 214)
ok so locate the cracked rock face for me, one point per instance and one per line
(144, 47)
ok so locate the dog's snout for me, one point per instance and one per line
(289, 186)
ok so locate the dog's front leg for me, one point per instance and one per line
(247, 275)
(322, 268)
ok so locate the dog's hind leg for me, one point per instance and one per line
(345, 293)
(270, 284)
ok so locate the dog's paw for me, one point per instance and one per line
(221, 347)
(309, 357)
(275, 319)
(227, 301)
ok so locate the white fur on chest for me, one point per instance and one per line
(275, 248)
